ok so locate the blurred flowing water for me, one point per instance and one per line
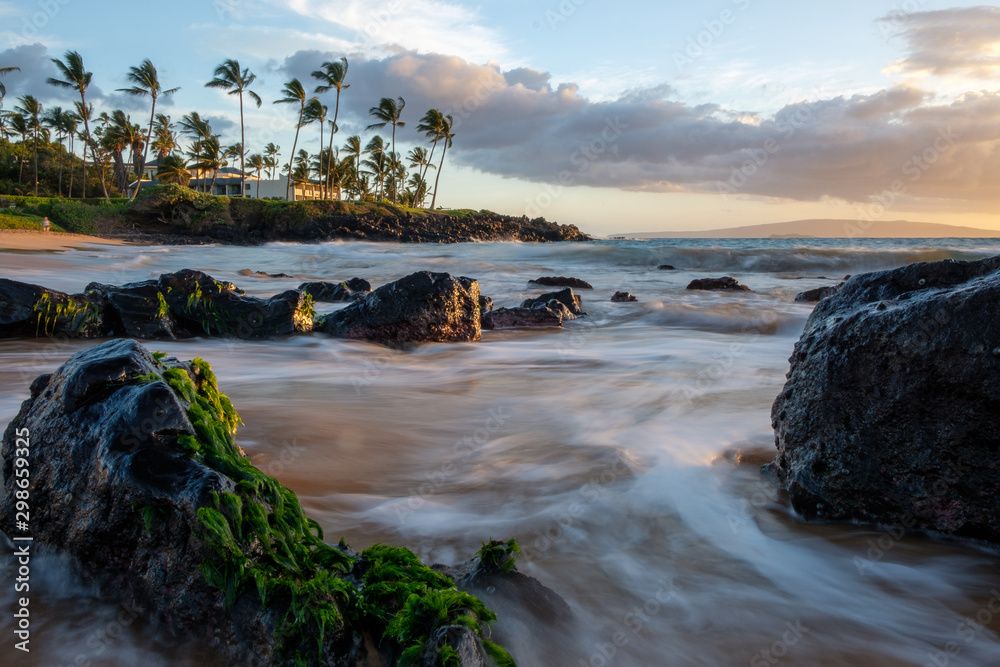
(622, 452)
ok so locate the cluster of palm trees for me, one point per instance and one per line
(113, 143)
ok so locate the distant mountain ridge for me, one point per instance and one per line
(828, 229)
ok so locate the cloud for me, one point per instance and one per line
(846, 147)
(416, 25)
(961, 40)
(35, 62)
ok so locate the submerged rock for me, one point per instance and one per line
(349, 290)
(136, 475)
(262, 274)
(818, 294)
(213, 308)
(516, 318)
(724, 284)
(666, 267)
(623, 297)
(890, 412)
(562, 281)
(421, 307)
(566, 297)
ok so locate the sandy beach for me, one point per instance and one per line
(27, 239)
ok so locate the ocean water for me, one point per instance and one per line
(621, 451)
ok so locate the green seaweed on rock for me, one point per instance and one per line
(262, 540)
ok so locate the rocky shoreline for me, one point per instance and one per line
(173, 215)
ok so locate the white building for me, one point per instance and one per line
(227, 184)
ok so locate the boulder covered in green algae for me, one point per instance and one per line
(175, 305)
(135, 473)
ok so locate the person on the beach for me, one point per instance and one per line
(45, 224)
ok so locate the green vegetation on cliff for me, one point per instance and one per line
(167, 212)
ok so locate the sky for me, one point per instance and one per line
(617, 116)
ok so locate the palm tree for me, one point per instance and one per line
(332, 76)
(271, 155)
(388, 112)
(166, 139)
(31, 110)
(70, 122)
(76, 76)
(195, 126)
(316, 112)
(294, 93)
(85, 114)
(353, 148)
(229, 76)
(430, 126)
(376, 163)
(256, 163)
(120, 134)
(300, 173)
(21, 126)
(420, 160)
(446, 136)
(173, 170)
(55, 118)
(209, 157)
(200, 130)
(147, 82)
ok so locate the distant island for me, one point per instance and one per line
(828, 229)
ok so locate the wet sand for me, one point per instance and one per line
(27, 239)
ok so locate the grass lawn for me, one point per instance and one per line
(15, 220)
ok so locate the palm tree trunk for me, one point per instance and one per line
(34, 149)
(85, 142)
(323, 175)
(20, 161)
(258, 184)
(243, 151)
(60, 167)
(72, 169)
(391, 149)
(438, 177)
(291, 162)
(333, 130)
(423, 172)
(145, 151)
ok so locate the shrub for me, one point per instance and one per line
(181, 206)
